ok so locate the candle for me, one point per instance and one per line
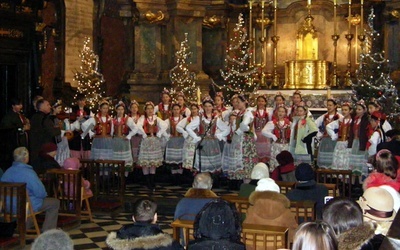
(309, 2)
(328, 93)
(349, 18)
(362, 17)
(275, 3)
(198, 96)
(275, 19)
(334, 18)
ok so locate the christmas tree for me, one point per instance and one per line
(90, 80)
(238, 74)
(182, 79)
(373, 79)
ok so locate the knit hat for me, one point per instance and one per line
(284, 158)
(267, 184)
(71, 163)
(304, 172)
(260, 171)
(377, 204)
(48, 147)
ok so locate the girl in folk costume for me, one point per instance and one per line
(228, 153)
(297, 100)
(373, 106)
(174, 149)
(279, 131)
(180, 99)
(211, 129)
(136, 138)
(327, 145)
(244, 153)
(80, 148)
(263, 143)
(233, 109)
(339, 131)
(151, 151)
(219, 102)
(124, 129)
(279, 100)
(102, 145)
(358, 138)
(163, 109)
(376, 122)
(303, 129)
(63, 151)
(189, 146)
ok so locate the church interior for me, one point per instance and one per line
(308, 45)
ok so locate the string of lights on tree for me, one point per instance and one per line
(182, 79)
(238, 73)
(90, 80)
(373, 79)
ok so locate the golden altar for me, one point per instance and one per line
(307, 74)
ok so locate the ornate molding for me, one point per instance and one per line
(11, 33)
(214, 21)
(154, 18)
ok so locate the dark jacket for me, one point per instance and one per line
(13, 122)
(216, 245)
(43, 130)
(43, 163)
(393, 146)
(309, 191)
(362, 133)
(140, 235)
(194, 200)
(77, 142)
(362, 237)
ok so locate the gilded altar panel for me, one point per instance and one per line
(307, 74)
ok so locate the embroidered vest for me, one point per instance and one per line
(260, 120)
(282, 132)
(162, 113)
(120, 128)
(172, 127)
(205, 128)
(150, 130)
(344, 131)
(103, 128)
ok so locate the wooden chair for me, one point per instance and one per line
(341, 178)
(303, 210)
(332, 189)
(187, 228)
(30, 213)
(264, 236)
(241, 203)
(67, 187)
(285, 186)
(13, 194)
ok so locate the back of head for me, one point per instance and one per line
(284, 158)
(260, 171)
(315, 236)
(21, 154)
(304, 172)
(71, 163)
(144, 210)
(53, 239)
(386, 163)
(267, 184)
(342, 214)
(202, 181)
(217, 220)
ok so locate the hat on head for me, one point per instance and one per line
(48, 147)
(377, 204)
(260, 171)
(304, 172)
(267, 184)
(71, 163)
(284, 158)
(377, 115)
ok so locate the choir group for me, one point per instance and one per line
(213, 137)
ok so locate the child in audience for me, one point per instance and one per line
(74, 164)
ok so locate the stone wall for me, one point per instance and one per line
(79, 24)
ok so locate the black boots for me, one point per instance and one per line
(150, 181)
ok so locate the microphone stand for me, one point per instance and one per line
(199, 146)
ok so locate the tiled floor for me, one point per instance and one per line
(92, 235)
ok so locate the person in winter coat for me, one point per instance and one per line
(217, 226)
(143, 233)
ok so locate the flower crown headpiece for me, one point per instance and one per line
(361, 103)
(134, 102)
(297, 92)
(348, 104)
(148, 103)
(120, 103)
(165, 91)
(207, 99)
(104, 101)
(57, 103)
(220, 94)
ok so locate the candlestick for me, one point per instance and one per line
(198, 96)
(362, 18)
(275, 10)
(309, 2)
(328, 93)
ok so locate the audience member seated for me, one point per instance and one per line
(46, 159)
(217, 226)
(269, 207)
(392, 143)
(306, 188)
(20, 171)
(346, 218)
(195, 198)
(315, 236)
(74, 164)
(53, 239)
(259, 171)
(285, 169)
(385, 171)
(144, 233)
